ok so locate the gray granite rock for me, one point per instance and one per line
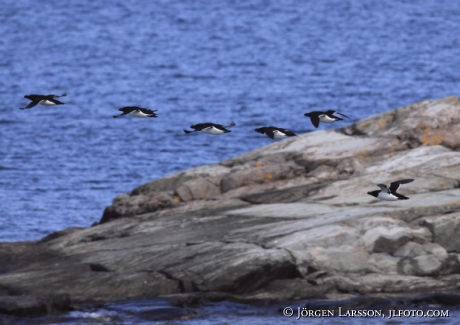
(410, 249)
(343, 259)
(384, 263)
(427, 264)
(131, 205)
(170, 183)
(386, 240)
(291, 220)
(434, 123)
(33, 306)
(197, 189)
(445, 229)
(324, 236)
(422, 265)
(436, 250)
(262, 174)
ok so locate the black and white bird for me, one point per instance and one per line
(275, 133)
(325, 117)
(210, 128)
(136, 112)
(45, 100)
(389, 194)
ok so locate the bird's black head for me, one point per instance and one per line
(307, 114)
(33, 97)
(374, 193)
(260, 130)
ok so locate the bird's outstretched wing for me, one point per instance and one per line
(384, 188)
(314, 119)
(331, 112)
(270, 133)
(31, 104)
(288, 132)
(395, 185)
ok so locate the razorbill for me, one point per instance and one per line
(136, 112)
(275, 133)
(389, 194)
(46, 100)
(325, 117)
(210, 128)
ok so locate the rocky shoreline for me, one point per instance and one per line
(289, 221)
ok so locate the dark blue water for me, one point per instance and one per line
(159, 312)
(257, 63)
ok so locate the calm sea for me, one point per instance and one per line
(255, 62)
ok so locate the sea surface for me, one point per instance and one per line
(255, 62)
(159, 312)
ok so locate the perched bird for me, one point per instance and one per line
(325, 117)
(46, 100)
(210, 128)
(136, 112)
(275, 133)
(389, 194)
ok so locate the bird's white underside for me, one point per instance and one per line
(138, 114)
(212, 130)
(387, 196)
(278, 134)
(46, 102)
(326, 119)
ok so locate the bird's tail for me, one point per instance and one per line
(188, 131)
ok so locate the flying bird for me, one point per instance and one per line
(210, 128)
(136, 112)
(389, 194)
(275, 133)
(45, 100)
(325, 117)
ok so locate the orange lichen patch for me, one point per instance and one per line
(258, 164)
(451, 142)
(451, 99)
(425, 128)
(432, 139)
(270, 176)
(362, 154)
(364, 126)
(382, 125)
(176, 198)
(389, 118)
